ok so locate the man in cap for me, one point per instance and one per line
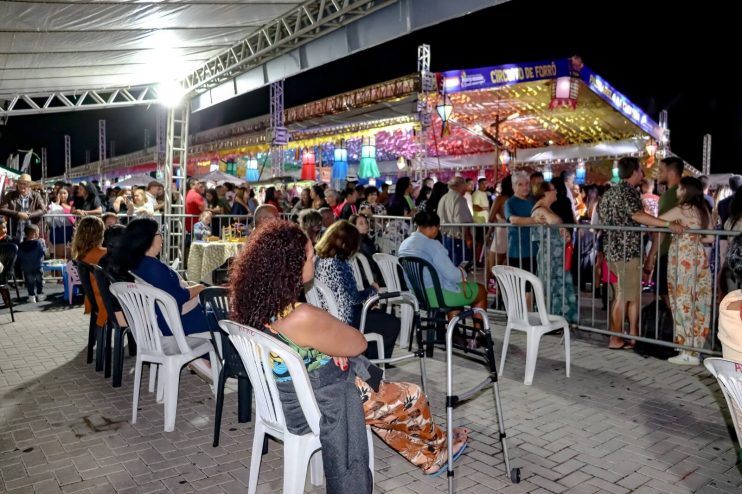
(22, 207)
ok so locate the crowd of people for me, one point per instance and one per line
(620, 263)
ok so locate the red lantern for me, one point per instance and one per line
(308, 165)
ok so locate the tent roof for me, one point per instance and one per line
(88, 44)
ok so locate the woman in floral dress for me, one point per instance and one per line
(688, 272)
(561, 290)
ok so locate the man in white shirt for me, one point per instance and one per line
(453, 209)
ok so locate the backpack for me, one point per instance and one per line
(665, 330)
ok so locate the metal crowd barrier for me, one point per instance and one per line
(474, 242)
(487, 244)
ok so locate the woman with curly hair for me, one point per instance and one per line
(87, 246)
(266, 283)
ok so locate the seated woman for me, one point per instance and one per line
(267, 281)
(310, 221)
(87, 246)
(137, 251)
(368, 246)
(339, 243)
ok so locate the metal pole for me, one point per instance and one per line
(67, 157)
(43, 167)
(427, 85)
(101, 148)
(707, 154)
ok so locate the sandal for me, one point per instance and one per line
(444, 467)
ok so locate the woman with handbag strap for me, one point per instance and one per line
(557, 245)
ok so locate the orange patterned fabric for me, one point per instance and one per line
(400, 415)
(93, 257)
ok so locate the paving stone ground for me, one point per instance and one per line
(620, 423)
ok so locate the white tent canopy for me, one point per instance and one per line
(219, 178)
(85, 44)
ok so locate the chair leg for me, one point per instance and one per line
(15, 284)
(172, 385)
(219, 385)
(118, 358)
(107, 350)
(257, 442)
(137, 385)
(567, 356)
(505, 343)
(132, 343)
(532, 343)
(5, 291)
(91, 339)
(244, 400)
(99, 348)
(216, 367)
(406, 320)
(294, 465)
(152, 377)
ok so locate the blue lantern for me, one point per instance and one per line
(340, 162)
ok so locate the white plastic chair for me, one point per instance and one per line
(138, 302)
(389, 267)
(255, 348)
(513, 282)
(319, 295)
(361, 268)
(729, 375)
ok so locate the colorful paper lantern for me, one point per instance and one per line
(308, 165)
(614, 172)
(565, 91)
(444, 108)
(340, 162)
(368, 167)
(580, 173)
(252, 169)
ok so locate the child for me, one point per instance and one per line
(202, 229)
(31, 255)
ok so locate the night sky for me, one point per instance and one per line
(661, 55)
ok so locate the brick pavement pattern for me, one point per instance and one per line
(620, 424)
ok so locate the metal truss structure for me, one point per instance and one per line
(424, 106)
(308, 21)
(176, 150)
(55, 102)
(278, 135)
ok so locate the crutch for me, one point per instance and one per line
(452, 399)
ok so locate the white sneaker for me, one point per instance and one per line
(31, 299)
(684, 358)
(40, 297)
